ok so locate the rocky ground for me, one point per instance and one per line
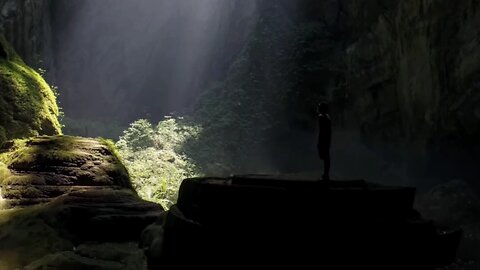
(68, 204)
(456, 204)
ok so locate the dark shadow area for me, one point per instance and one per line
(267, 221)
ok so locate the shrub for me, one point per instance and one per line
(155, 160)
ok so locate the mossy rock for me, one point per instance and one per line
(67, 203)
(28, 105)
(39, 168)
(47, 236)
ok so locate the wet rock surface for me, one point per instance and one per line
(68, 204)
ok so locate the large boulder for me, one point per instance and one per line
(272, 221)
(42, 168)
(68, 204)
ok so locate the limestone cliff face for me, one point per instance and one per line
(26, 24)
(400, 73)
(413, 77)
(404, 73)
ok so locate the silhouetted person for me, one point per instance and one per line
(324, 138)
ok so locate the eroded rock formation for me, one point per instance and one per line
(78, 209)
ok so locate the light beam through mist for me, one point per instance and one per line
(125, 59)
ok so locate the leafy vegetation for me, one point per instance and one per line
(155, 159)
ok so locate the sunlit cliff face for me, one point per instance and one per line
(126, 59)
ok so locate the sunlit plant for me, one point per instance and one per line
(154, 158)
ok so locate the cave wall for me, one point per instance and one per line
(403, 74)
(28, 105)
(413, 81)
(26, 25)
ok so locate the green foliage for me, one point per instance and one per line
(27, 104)
(154, 158)
(139, 135)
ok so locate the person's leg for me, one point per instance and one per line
(326, 167)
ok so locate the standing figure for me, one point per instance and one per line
(324, 138)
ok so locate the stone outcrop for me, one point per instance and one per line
(44, 168)
(274, 221)
(68, 203)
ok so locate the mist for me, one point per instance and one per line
(120, 60)
(117, 61)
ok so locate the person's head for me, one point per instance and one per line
(323, 107)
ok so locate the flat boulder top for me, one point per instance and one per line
(209, 200)
(39, 169)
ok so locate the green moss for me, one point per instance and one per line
(14, 147)
(95, 161)
(28, 105)
(116, 169)
(26, 152)
(4, 172)
(27, 237)
(28, 179)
